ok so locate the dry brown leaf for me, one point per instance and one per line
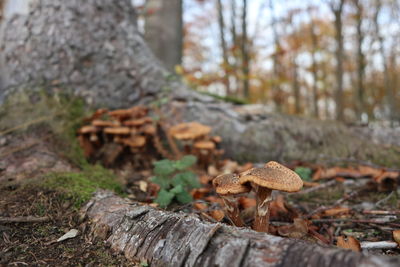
(336, 211)
(205, 179)
(298, 229)
(218, 215)
(199, 193)
(246, 202)
(199, 206)
(351, 243)
(337, 172)
(277, 207)
(212, 171)
(369, 171)
(396, 236)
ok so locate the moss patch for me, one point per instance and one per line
(78, 187)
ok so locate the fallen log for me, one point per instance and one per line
(162, 238)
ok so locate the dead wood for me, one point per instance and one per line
(161, 238)
(28, 219)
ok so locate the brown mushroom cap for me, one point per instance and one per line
(228, 184)
(88, 129)
(204, 145)
(101, 123)
(188, 131)
(274, 179)
(117, 130)
(148, 129)
(135, 141)
(138, 122)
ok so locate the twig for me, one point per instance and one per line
(378, 245)
(354, 221)
(381, 212)
(28, 219)
(316, 188)
(383, 200)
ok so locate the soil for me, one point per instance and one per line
(24, 158)
(34, 244)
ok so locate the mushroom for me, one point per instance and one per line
(89, 129)
(263, 180)
(204, 150)
(101, 123)
(117, 132)
(227, 186)
(189, 131)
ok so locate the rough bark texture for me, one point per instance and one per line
(164, 31)
(94, 49)
(161, 238)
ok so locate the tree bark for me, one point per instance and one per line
(360, 105)
(93, 49)
(314, 43)
(162, 238)
(337, 9)
(245, 54)
(225, 64)
(164, 31)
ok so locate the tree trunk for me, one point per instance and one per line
(337, 10)
(162, 238)
(314, 43)
(225, 64)
(389, 96)
(92, 48)
(245, 54)
(163, 31)
(360, 105)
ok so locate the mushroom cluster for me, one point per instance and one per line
(130, 129)
(272, 176)
(194, 138)
(110, 134)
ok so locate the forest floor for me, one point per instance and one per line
(38, 178)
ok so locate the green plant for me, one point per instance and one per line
(175, 180)
(304, 173)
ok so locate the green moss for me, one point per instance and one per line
(78, 187)
(230, 99)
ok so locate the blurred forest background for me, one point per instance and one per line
(333, 59)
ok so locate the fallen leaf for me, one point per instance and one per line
(298, 229)
(199, 206)
(212, 171)
(143, 186)
(351, 243)
(336, 211)
(205, 179)
(218, 215)
(246, 202)
(396, 236)
(70, 234)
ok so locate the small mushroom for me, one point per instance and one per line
(117, 132)
(138, 122)
(227, 186)
(101, 123)
(263, 181)
(189, 131)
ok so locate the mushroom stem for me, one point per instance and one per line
(232, 210)
(263, 198)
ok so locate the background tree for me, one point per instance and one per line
(163, 31)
